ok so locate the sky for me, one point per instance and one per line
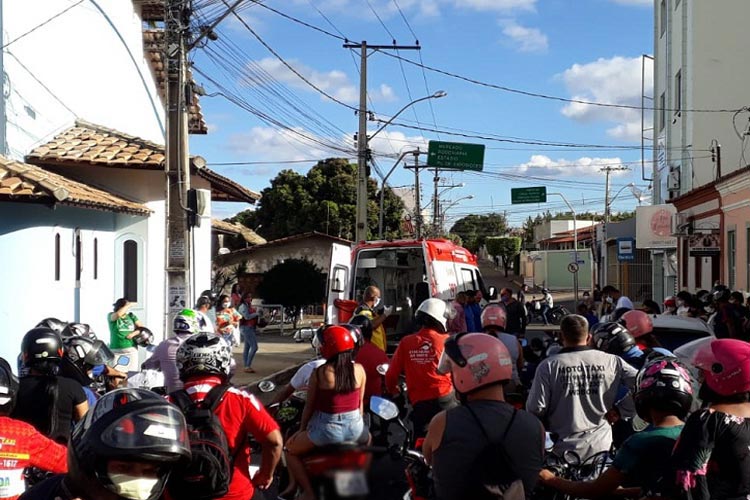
(281, 90)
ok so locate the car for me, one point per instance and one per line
(673, 332)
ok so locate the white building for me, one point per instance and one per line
(550, 228)
(700, 73)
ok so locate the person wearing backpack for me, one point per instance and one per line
(219, 419)
(484, 448)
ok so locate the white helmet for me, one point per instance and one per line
(437, 309)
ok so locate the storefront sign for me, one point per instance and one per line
(653, 226)
(704, 245)
(625, 249)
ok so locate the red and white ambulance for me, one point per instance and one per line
(406, 272)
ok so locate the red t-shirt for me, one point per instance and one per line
(21, 446)
(240, 414)
(370, 356)
(418, 356)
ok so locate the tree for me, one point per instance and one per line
(504, 247)
(294, 283)
(322, 200)
(474, 229)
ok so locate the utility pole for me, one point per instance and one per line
(607, 170)
(716, 156)
(363, 151)
(436, 201)
(178, 246)
(417, 196)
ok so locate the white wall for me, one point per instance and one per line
(90, 59)
(549, 229)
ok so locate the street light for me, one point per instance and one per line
(363, 152)
(609, 203)
(448, 207)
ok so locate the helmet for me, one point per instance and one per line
(720, 293)
(436, 309)
(77, 330)
(613, 338)
(55, 324)
(84, 354)
(670, 302)
(494, 315)
(42, 348)
(475, 360)
(131, 425)
(335, 339)
(637, 322)
(144, 338)
(663, 383)
(8, 388)
(204, 354)
(185, 322)
(364, 324)
(725, 364)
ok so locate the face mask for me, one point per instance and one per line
(377, 302)
(709, 309)
(609, 300)
(505, 298)
(135, 487)
(226, 305)
(680, 303)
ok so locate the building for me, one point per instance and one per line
(551, 228)
(700, 76)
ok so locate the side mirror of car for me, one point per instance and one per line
(492, 292)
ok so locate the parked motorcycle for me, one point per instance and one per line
(534, 308)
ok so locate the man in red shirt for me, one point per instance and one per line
(21, 445)
(417, 357)
(203, 361)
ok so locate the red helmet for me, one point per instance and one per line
(637, 322)
(670, 302)
(335, 339)
(475, 360)
(725, 364)
(494, 315)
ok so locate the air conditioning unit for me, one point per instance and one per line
(681, 224)
(673, 179)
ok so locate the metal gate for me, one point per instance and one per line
(633, 278)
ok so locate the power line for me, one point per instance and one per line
(303, 23)
(269, 162)
(43, 23)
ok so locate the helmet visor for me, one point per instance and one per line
(99, 354)
(451, 354)
(155, 430)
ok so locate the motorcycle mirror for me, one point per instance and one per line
(492, 292)
(548, 442)
(382, 369)
(572, 458)
(383, 408)
(266, 386)
(122, 361)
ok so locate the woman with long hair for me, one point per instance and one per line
(227, 320)
(334, 407)
(49, 402)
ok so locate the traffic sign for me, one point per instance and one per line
(455, 156)
(573, 268)
(536, 194)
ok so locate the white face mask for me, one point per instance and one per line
(135, 487)
(609, 300)
(226, 305)
(377, 302)
(680, 303)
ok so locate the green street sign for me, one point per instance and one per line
(455, 156)
(528, 195)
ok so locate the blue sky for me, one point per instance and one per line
(581, 49)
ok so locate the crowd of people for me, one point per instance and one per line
(610, 386)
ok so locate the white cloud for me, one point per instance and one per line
(334, 82)
(541, 165)
(393, 142)
(523, 38)
(639, 3)
(496, 5)
(267, 143)
(613, 81)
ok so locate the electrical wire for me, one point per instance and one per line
(42, 23)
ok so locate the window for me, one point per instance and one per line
(731, 257)
(57, 257)
(678, 92)
(663, 18)
(130, 270)
(96, 258)
(662, 110)
(338, 283)
(79, 260)
(468, 279)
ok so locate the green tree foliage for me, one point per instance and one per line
(322, 200)
(294, 283)
(504, 247)
(474, 229)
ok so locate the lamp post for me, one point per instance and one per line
(449, 206)
(382, 189)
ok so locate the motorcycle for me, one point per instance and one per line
(534, 309)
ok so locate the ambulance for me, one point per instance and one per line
(406, 271)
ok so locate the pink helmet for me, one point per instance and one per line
(475, 360)
(494, 315)
(637, 322)
(725, 364)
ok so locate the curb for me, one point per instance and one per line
(280, 378)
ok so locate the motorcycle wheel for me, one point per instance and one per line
(556, 316)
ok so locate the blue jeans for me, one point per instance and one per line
(333, 428)
(251, 345)
(545, 310)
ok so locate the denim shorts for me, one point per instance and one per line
(334, 428)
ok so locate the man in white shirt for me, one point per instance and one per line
(620, 300)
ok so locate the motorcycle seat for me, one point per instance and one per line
(335, 448)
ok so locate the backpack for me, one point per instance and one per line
(209, 472)
(493, 477)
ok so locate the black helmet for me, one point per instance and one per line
(204, 354)
(83, 354)
(364, 324)
(8, 388)
(42, 349)
(55, 324)
(613, 338)
(720, 293)
(130, 425)
(144, 337)
(663, 384)
(77, 330)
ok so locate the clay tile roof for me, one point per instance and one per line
(151, 10)
(248, 234)
(153, 46)
(24, 182)
(88, 143)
